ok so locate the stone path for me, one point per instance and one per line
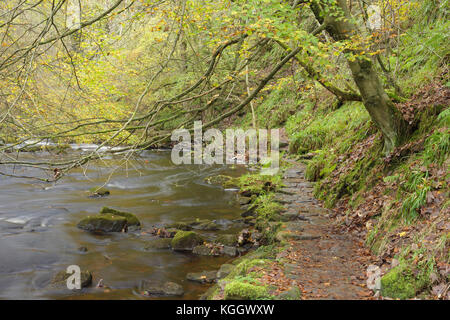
(324, 263)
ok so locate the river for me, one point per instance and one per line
(39, 237)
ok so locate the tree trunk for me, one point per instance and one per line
(381, 109)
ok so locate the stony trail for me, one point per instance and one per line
(321, 261)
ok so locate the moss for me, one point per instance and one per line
(243, 268)
(268, 231)
(266, 208)
(263, 252)
(257, 184)
(179, 226)
(402, 282)
(186, 240)
(237, 290)
(320, 166)
(132, 220)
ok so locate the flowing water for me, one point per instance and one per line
(39, 237)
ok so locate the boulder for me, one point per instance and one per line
(203, 277)
(159, 288)
(229, 251)
(186, 240)
(179, 226)
(103, 223)
(207, 226)
(207, 250)
(60, 280)
(227, 240)
(132, 220)
(212, 250)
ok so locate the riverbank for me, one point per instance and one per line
(306, 257)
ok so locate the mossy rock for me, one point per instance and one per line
(60, 279)
(103, 223)
(402, 283)
(132, 220)
(237, 290)
(179, 225)
(186, 240)
(204, 250)
(227, 240)
(207, 226)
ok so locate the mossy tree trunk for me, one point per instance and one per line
(337, 19)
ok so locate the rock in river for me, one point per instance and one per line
(179, 225)
(207, 226)
(132, 220)
(110, 220)
(203, 277)
(227, 240)
(186, 240)
(103, 223)
(60, 279)
(158, 288)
